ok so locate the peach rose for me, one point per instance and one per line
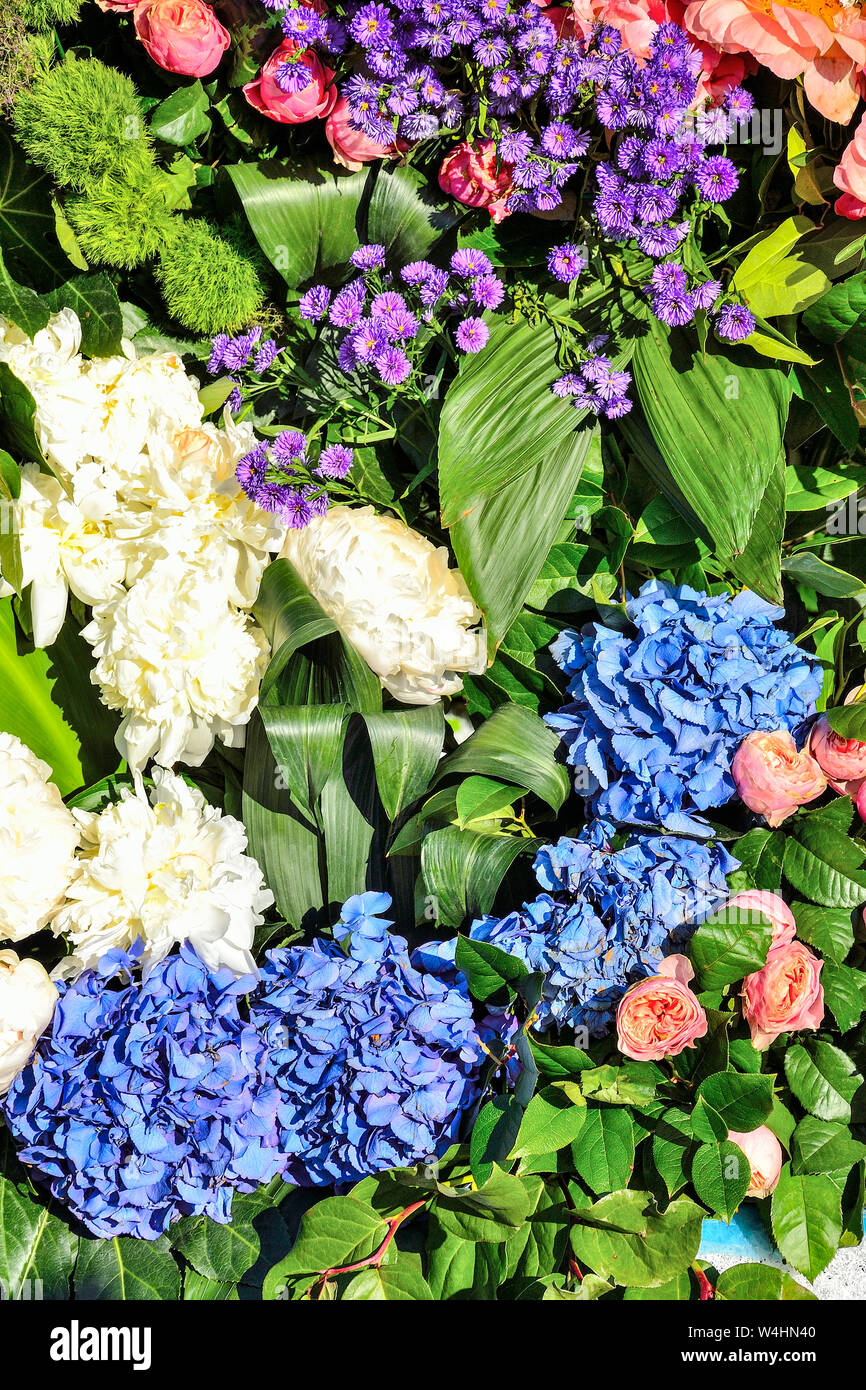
(182, 36)
(842, 760)
(352, 148)
(772, 778)
(771, 906)
(471, 176)
(785, 995)
(764, 1153)
(318, 98)
(850, 176)
(660, 1016)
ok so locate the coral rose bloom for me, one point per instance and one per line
(773, 778)
(472, 177)
(659, 1017)
(842, 760)
(316, 100)
(822, 41)
(785, 996)
(182, 36)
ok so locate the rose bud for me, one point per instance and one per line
(474, 176)
(316, 98)
(764, 1153)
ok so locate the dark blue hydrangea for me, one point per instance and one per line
(147, 1101)
(658, 714)
(375, 1059)
(608, 918)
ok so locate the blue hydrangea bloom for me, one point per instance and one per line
(375, 1059)
(657, 716)
(608, 918)
(147, 1101)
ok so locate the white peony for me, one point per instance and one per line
(167, 870)
(38, 836)
(184, 500)
(68, 403)
(27, 1000)
(140, 398)
(61, 550)
(394, 598)
(179, 661)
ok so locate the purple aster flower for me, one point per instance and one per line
(399, 323)
(314, 304)
(706, 294)
(566, 262)
(472, 334)
(669, 277)
(348, 307)
(335, 461)
(673, 307)
(386, 303)
(716, 178)
(289, 446)
(417, 272)
(567, 385)
(487, 291)
(217, 351)
(372, 25)
(370, 257)
(734, 322)
(393, 366)
(293, 75)
(514, 146)
(469, 261)
(266, 356)
(295, 509)
(615, 212)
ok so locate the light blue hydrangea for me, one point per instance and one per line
(657, 715)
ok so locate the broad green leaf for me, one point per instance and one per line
(303, 218)
(94, 299)
(818, 863)
(761, 852)
(197, 1288)
(486, 967)
(336, 1231)
(603, 1151)
(483, 798)
(721, 1173)
(749, 1283)
(18, 415)
(728, 946)
(493, 1135)
(27, 237)
(559, 1063)
(825, 1146)
(807, 1221)
(803, 567)
(463, 870)
(823, 1079)
(839, 311)
(718, 419)
(849, 721)
(843, 994)
(450, 1263)
(773, 279)
(406, 746)
(405, 215)
(515, 746)
(228, 1253)
(493, 1212)
(553, 1119)
(743, 1101)
(307, 743)
(828, 929)
(625, 1237)
(182, 117)
(673, 1142)
(632, 1083)
(23, 306)
(37, 1249)
(397, 1282)
(127, 1269)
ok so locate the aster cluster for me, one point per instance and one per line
(595, 384)
(656, 715)
(280, 477)
(384, 327)
(241, 358)
(608, 917)
(148, 1100)
(375, 1059)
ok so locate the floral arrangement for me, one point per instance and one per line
(433, 599)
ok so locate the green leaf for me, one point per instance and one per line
(228, 1253)
(450, 1263)
(838, 311)
(818, 863)
(553, 1119)
(529, 509)
(803, 567)
(515, 746)
(493, 1135)
(748, 1283)
(491, 1213)
(390, 1283)
(559, 1063)
(463, 870)
(823, 1079)
(843, 994)
(22, 305)
(626, 1238)
(718, 420)
(303, 218)
(199, 1289)
(807, 1221)
(406, 746)
(48, 701)
(18, 413)
(483, 798)
(721, 1174)
(405, 215)
(673, 1142)
(487, 969)
(603, 1152)
(127, 1269)
(743, 1101)
(37, 1250)
(10, 547)
(825, 1146)
(94, 299)
(772, 280)
(761, 852)
(307, 743)
(26, 217)
(336, 1231)
(849, 721)
(633, 1083)
(182, 117)
(728, 946)
(828, 929)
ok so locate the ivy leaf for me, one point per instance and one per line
(336, 1231)
(743, 1101)
(554, 1118)
(603, 1152)
(486, 967)
(94, 299)
(761, 1284)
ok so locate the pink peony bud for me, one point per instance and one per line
(473, 176)
(660, 1016)
(764, 1153)
(768, 905)
(352, 148)
(772, 778)
(317, 99)
(785, 995)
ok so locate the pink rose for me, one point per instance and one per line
(843, 760)
(771, 906)
(861, 801)
(660, 1016)
(785, 995)
(182, 36)
(318, 98)
(850, 176)
(471, 176)
(352, 148)
(772, 778)
(764, 1153)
